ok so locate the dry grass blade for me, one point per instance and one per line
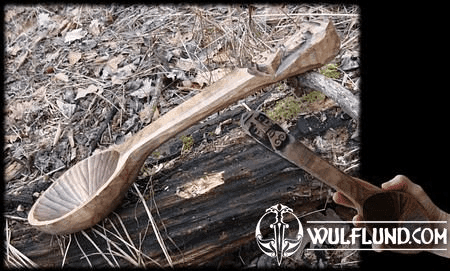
(121, 253)
(15, 258)
(98, 249)
(131, 247)
(108, 244)
(18, 260)
(67, 250)
(155, 228)
(82, 251)
(137, 255)
(128, 244)
(150, 186)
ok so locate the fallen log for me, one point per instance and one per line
(342, 96)
(200, 227)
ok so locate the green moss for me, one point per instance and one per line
(156, 154)
(285, 109)
(330, 71)
(188, 142)
(289, 107)
(312, 97)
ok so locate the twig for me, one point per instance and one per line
(342, 96)
(108, 118)
(15, 217)
(246, 107)
(50, 173)
(162, 223)
(155, 98)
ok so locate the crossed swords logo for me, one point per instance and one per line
(279, 246)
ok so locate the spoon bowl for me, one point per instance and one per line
(405, 212)
(77, 198)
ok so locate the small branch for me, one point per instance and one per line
(342, 96)
(155, 98)
(108, 118)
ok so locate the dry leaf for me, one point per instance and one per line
(20, 59)
(43, 19)
(145, 90)
(50, 57)
(222, 56)
(145, 113)
(39, 93)
(126, 70)
(81, 92)
(75, 35)
(177, 74)
(186, 64)
(62, 77)
(66, 108)
(94, 28)
(117, 80)
(16, 110)
(12, 138)
(114, 62)
(13, 170)
(122, 74)
(74, 57)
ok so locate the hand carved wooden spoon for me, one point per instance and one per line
(91, 189)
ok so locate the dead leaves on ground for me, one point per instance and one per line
(70, 64)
